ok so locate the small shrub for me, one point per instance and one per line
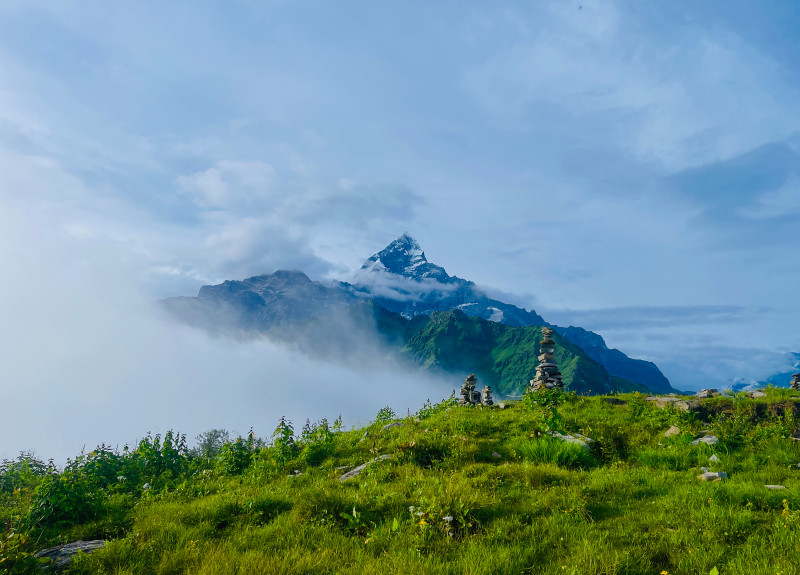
(385, 415)
(24, 472)
(317, 442)
(283, 442)
(67, 498)
(209, 443)
(235, 457)
(14, 554)
(428, 409)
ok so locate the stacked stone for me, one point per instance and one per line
(468, 390)
(796, 382)
(487, 396)
(547, 374)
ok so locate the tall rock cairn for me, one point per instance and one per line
(547, 374)
(468, 392)
(795, 382)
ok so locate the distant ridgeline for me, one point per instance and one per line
(425, 317)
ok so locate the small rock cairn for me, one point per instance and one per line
(471, 396)
(547, 374)
(795, 382)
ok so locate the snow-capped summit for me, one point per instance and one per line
(404, 257)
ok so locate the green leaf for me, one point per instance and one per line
(714, 571)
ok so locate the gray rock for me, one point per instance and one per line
(357, 471)
(665, 400)
(496, 455)
(706, 393)
(365, 436)
(391, 425)
(712, 476)
(576, 438)
(672, 431)
(708, 440)
(776, 487)
(756, 394)
(714, 458)
(62, 555)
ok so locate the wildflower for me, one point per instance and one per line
(448, 518)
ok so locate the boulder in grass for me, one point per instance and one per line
(575, 438)
(712, 476)
(708, 440)
(775, 487)
(674, 430)
(357, 471)
(61, 555)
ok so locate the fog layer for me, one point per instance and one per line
(86, 359)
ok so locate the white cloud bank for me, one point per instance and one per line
(86, 359)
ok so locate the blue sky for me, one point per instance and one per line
(630, 167)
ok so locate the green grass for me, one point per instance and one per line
(444, 503)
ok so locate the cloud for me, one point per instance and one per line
(637, 317)
(230, 184)
(391, 286)
(86, 359)
(665, 89)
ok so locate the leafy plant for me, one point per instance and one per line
(67, 498)
(236, 456)
(546, 403)
(385, 415)
(209, 443)
(283, 442)
(429, 410)
(14, 556)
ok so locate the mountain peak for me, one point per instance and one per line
(404, 257)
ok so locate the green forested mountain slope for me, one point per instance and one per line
(500, 355)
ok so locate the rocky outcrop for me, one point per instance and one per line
(62, 555)
(357, 471)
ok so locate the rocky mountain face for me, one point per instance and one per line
(401, 279)
(424, 316)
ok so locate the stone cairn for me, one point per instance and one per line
(795, 382)
(547, 374)
(472, 396)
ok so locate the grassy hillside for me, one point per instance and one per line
(460, 490)
(502, 356)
